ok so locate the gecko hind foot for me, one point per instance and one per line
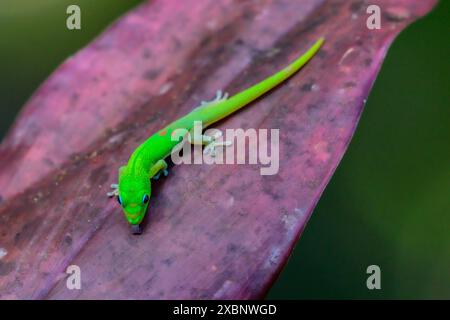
(220, 96)
(114, 192)
(214, 144)
(212, 147)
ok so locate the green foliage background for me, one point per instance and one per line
(387, 204)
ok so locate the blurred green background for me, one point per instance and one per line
(388, 203)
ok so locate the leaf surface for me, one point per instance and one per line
(212, 231)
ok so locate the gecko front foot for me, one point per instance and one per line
(114, 192)
(214, 144)
(219, 97)
(156, 176)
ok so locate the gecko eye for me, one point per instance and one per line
(119, 200)
(145, 199)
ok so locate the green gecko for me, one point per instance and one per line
(147, 161)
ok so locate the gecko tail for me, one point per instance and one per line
(219, 111)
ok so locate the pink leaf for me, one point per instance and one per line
(212, 231)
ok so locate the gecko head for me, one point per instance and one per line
(134, 195)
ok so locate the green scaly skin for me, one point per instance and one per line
(134, 189)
